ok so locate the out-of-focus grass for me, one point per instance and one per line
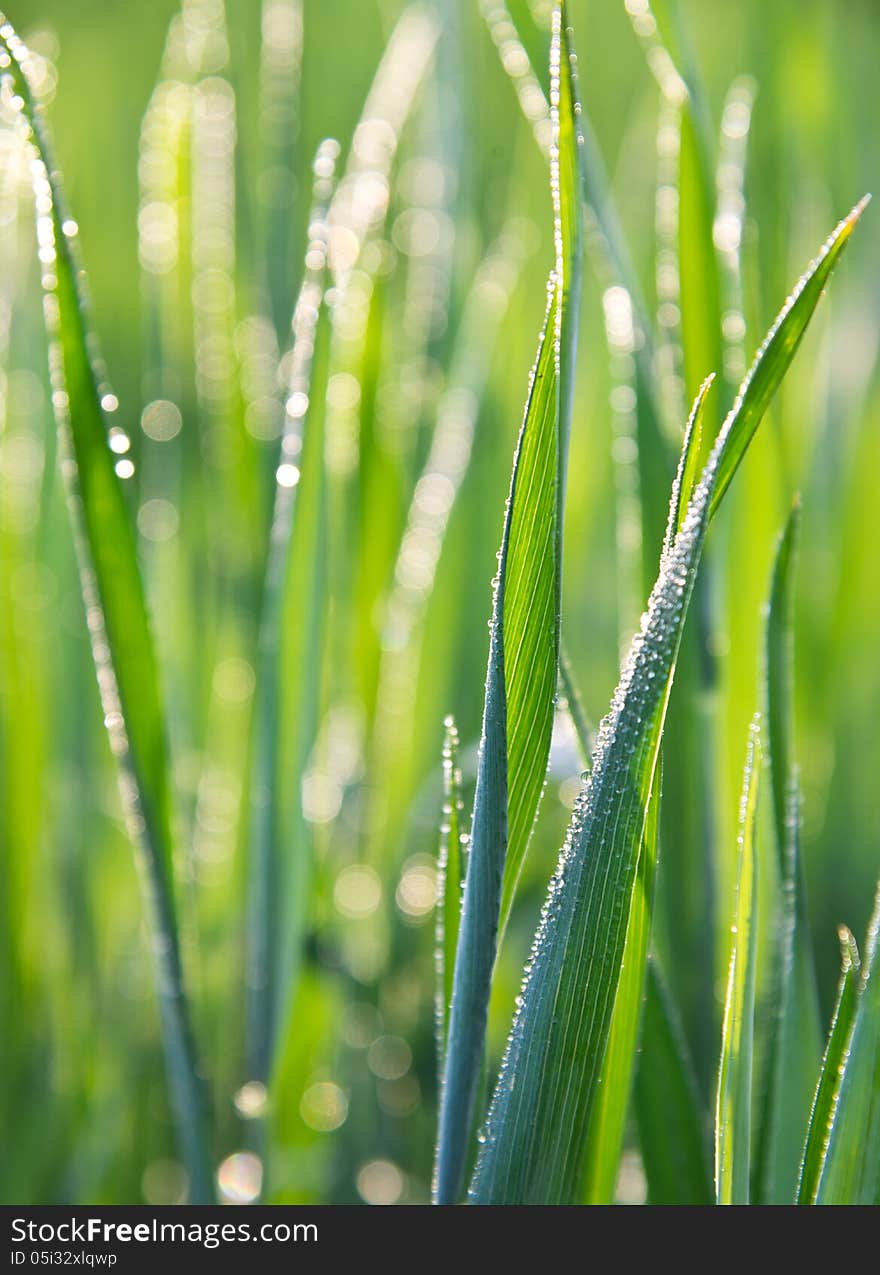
(354, 1092)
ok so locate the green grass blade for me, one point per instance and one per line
(116, 612)
(523, 658)
(795, 1045)
(833, 1060)
(688, 465)
(546, 1090)
(733, 1116)
(533, 561)
(450, 877)
(850, 1172)
(546, 1093)
(605, 1140)
(775, 355)
(670, 1119)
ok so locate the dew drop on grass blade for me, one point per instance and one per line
(538, 1120)
(733, 1112)
(116, 611)
(524, 642)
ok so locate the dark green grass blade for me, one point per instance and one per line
(475, 954)
(670, 1120)
(450, 877)
(825, 1101)
(733, 1114)
(523, 658)
(546, 1091)
(850, 1172)
(795, 1045)
(116, 611)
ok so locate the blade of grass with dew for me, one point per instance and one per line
(833, 1060)
(733, 1113)
(523, 656)
(116, 613)
(608, 1123)
(546, 1090)
(795, 1046)
(300, 467)
(450, 878)
(667, 1105)
(850, 1171)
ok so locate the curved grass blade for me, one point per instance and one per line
(688, 466)
(825, 1101)
(775, 355)
(733, 1113)
(271, 845)
(116, 610)
(450, 878)
(523, 652)
(540, 1113)
(850, 1172)
(667, 1104)
(795, 1046)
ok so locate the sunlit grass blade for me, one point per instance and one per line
(532, 565)
(608, 1123)
(299, 476)
(688, 466)
(116, 612)
(795, 1044)
(671, 1126)
(450, 877)
(833, 1060)
(523, 655)
(775, 355)
(546, 1091)
(733, 1112)
(850, 1172)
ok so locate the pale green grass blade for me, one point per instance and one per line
(116, 611)
(850, 1172)
(523, 658)
(733, 1113)
(688, 466)
(605, 1137)
(699, 284)
(833, 1060)
(670, 1119)
(271, 845)
(450, 878)
(795, 1046)
(546, 1091)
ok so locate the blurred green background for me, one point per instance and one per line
(84, 1108)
